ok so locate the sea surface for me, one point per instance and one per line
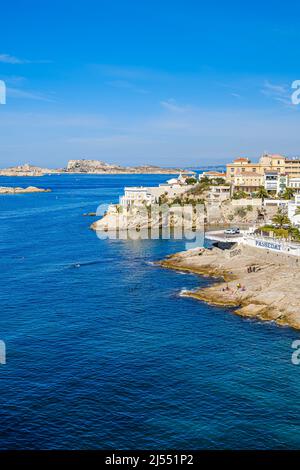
(102, 350)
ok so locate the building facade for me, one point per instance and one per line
(248, 182)
(275, 170)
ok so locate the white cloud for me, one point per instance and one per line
(130, 72)
(171, 105)
(280, 93)
(236, 95)
(10, 59)
(126, 85)
(24, 94)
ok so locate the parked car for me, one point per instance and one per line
(232, 231)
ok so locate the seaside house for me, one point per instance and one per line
(142, 195)
(137, 195)
(212, 175)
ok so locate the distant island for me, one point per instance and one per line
(88, 167)
(29, 189)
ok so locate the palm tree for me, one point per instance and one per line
(281, 218)
(262, 193)
(297, 211)
(295, 233)
(288, 193)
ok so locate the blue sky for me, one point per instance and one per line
(163, 82)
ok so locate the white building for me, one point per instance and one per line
(275, 182)
(271, 181)
(212, 175)
(219, 193)
(294, 183)
(137, 195)
(292, 209)
(141, 195)
(181, 180)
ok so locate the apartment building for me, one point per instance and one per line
(241, 165)
(270, 165)
(248, 181)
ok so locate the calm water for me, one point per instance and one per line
(102, 352)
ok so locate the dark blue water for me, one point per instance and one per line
(102, 352)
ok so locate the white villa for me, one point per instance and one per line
(137, 195)
(140, 195)
(212, 175)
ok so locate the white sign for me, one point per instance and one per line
(270, 245)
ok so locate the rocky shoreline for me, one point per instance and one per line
(255, 284)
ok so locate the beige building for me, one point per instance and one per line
(242, 172)
(248, 181)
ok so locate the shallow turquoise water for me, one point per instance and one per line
(102, 352)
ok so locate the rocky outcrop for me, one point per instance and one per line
(142, 217)
(259, 284)
(29, 189)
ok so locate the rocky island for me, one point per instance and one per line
(26, 170)
(99, 167)
(258, 284)
(29, 189)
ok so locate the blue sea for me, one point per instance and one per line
(104, 353)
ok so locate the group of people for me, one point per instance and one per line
(239, 286)
(251, 269)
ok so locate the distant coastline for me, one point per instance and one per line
(95, 167)
(30, 189)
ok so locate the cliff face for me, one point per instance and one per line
(138, 218)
